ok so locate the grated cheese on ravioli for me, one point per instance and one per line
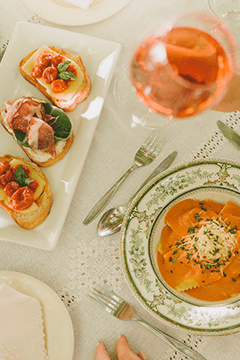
(213, 244)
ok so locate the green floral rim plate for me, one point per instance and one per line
(140, 234)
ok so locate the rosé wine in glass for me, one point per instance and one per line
(183, 68)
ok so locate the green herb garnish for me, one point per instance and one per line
(197, 217)
(202, 206)
(233, 230)
(21, 138)
(191, 230)
(66, 75)
(63, 73)
(63, 66)
(21, 178)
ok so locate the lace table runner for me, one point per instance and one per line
(98, 262)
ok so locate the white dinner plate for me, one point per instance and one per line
(56, 320)
(64, 13)
(140, 235)
(100, 57)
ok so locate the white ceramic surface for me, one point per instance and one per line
(99, 57)
(56, 320)
(61, 12)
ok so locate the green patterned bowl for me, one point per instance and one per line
(217, 180)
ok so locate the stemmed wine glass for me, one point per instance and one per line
(180, 70)
(228, 11)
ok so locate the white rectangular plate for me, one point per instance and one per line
(100, 57)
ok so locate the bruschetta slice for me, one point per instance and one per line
(43, 131)
(59, 75)
(25, 193)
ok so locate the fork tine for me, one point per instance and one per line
(148, 142)
(109, 304)
(153, 143)
(105, 299)
(109, 301)
(106, 307)
(157, 147)
(107, 294)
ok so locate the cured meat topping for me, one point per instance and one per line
(29, 116)
(41, 136)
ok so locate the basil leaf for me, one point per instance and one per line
(63, 66)
(66, 75)
(20, 177)
(28, 181)
(62, 127)
(21, 138)
(47, 107)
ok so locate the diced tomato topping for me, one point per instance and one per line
(9, 175)
(37, 71)
(45, 58)
(21, 199)
(72, 69)
(58, 85)
(11, 187)
(4, 166)
(50, 74)
(3, 182)
(6, 178)
(58, 60)
(33, 185)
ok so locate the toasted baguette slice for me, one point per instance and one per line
(70, 101)
(39, 210)
(39, 157)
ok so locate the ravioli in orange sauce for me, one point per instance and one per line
(199, 249)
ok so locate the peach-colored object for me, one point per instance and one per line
(21, 326)
(142, 355)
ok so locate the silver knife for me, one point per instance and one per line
(229, 133)
(161, 167)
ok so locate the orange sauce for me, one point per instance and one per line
(213, 285)
(220, 290)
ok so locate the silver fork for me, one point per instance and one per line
(119, 308)
(144, 156)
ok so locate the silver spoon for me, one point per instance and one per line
(111, 221)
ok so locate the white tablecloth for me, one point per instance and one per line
(81, 258)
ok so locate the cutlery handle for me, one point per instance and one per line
(184, 349)
(105, 199)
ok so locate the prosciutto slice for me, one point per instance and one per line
(20, 113)
(41, 136)
(12, 108)
(29, 116)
